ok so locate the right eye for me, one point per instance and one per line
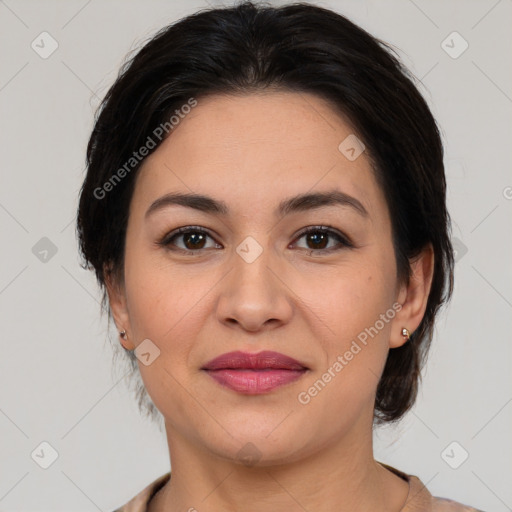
(193, 239)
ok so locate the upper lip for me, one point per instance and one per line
(258, 361)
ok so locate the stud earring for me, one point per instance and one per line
(124, 337)
(406, 334)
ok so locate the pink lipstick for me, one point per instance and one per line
(254, 374)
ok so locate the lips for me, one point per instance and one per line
(260, 361)
(254, 373)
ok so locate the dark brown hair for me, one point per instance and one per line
(299, 47)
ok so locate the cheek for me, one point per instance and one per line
(158, 296)
(357, 309)
(164, 307)
(160, 305)
(349, 300)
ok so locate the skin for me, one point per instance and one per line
(252, 152)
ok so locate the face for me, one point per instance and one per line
(244, 276)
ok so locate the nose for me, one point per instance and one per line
(254, 296)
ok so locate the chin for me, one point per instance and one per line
(252, 447)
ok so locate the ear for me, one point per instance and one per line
(117, 301)
(413, 296)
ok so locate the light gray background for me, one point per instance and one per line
(55, 364)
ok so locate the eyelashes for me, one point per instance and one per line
(167, 241)
(196, 238)
(326, 232)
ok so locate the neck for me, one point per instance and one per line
(339, 477)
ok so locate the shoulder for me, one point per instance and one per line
(140, 501)
(419, 498)
(446, 505)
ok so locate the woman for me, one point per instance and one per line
(265, 211)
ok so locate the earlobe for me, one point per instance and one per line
(124, 340)
(117, 304)
(413, 298)
(403, 337)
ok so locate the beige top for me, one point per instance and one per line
(419, 498)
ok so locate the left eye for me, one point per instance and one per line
(320, 236)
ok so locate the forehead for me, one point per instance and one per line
(258, 148)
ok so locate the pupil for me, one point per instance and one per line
(315, 238)
(195, 238)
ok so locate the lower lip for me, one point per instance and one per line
(254, 382)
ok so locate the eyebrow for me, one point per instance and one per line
(299, 203)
